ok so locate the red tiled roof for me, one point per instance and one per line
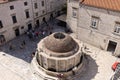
(2, 1)
(107, 4)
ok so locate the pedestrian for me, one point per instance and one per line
(37, 33)
(33, 54)
(43, 33)
(24, 43)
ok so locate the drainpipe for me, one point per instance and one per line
(33, 13)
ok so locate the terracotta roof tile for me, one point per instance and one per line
(107, 4)
(2, 1)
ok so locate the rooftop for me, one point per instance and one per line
(106, 4)
(2, 1)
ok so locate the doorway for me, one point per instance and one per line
(111, 46)
(17, 32)
(29, 26)
(51, 17)
(37, 23)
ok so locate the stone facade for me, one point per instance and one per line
(104, 35)
(61, 59)
(8, 29)
(26, 14)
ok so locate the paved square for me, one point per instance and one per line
(15, 64)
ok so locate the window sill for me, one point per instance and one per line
(118, 34)
(93, 27)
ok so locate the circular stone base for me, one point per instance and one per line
(41, 73)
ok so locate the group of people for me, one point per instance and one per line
(32, 34)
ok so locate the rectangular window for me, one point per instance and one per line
(43, 11)
(1, 25)
(11, 7)
(35, 5)
(117, 28)
(25, 3)
(27, 13)
(36, 14)
(42, 3)
(74, 12)
(14, 19)
(94, 22)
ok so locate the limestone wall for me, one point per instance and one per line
(101, 36)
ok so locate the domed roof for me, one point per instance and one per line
(60, 42)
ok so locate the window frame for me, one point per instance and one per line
(14, 18)
(36, 14)
(117, 28)
(74, 12)
(42, 3)
(25, 3)
(35, 5)
(27, 14)
(94, 22)
(11, 7)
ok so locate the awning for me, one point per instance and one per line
(62, 18)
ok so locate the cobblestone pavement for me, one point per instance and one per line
(99, 65)
(15, 64)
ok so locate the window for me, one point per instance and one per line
(42, 3)
(43, 11)
(74, 12)
(14, 19)
(35, 5)
(94, 22)
(25, 3)
(117, 27)
(27, 13)
(36, 14)
(1, 25)
(11, 7)
(22, 27)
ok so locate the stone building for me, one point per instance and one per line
(58, 56)
(96, 22)
(18, 16)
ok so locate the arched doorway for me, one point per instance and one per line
(17, 32)
(2, 39)
(29, 26)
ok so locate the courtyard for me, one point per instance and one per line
(15, 64)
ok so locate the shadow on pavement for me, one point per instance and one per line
(24, 53)
(91, 69)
